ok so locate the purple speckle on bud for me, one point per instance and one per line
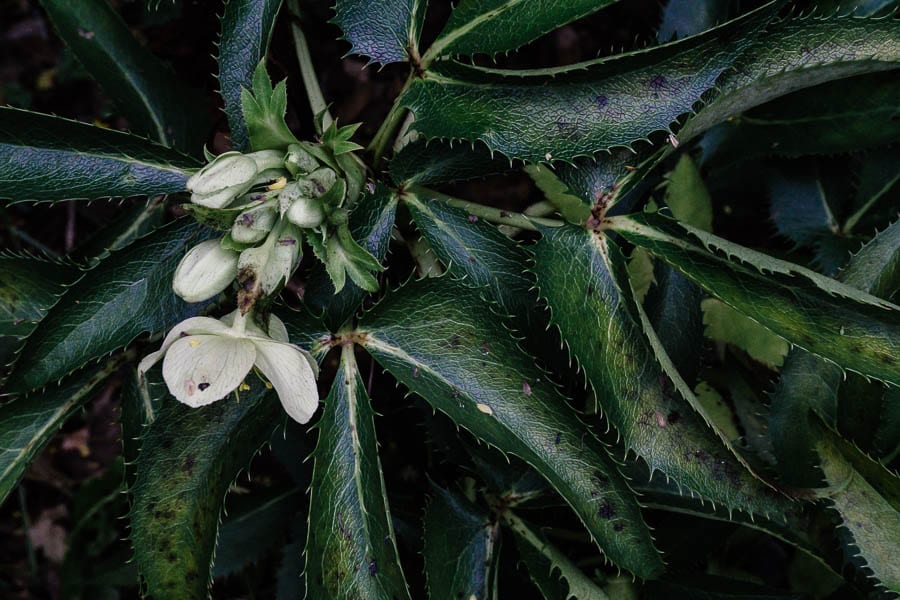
(526, 388)
(287, 241)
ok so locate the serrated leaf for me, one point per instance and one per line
(597, 179)
(799, 206)
(462, 548)
(28, 424)
(492, 26)
(855, 330)
(351, 551)
(561, 114)
(28, 288)
(871, 518)
(147, 92)
(795, 54)
(431, 163)
(570, 206)
(726, 325)
(551, 571)
(809, 384)
(839, 116)
(371, 223)
(582, 277)
(252, 526)
(46, 158)
(123, 296)
(474, 251)
(386, 31)
(264, 109)
(132, 223)
(189, 457)
(247, 27)
(440, 340)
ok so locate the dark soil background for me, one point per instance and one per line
(64, 525)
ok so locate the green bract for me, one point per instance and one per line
(585, 326)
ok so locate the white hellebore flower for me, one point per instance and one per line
(206, 359)
(205, 271)
(232, 174)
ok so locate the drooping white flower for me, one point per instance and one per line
(205, 359)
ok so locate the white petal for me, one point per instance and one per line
(290, 373)
(191, 326)
(205, 271)
(200, 369)
(277, 330)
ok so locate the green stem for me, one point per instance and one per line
(307, 71)
(389, 126)
(859, 214)
(488, 213)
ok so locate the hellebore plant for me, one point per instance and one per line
(737, 402)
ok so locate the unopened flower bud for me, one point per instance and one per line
(228, 176)
(253, 225)
(205, 271)
(317, 183)
(306, 213)
(267, 159)
(299, 162)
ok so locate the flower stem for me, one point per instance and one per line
(307, 71)
(389, 126)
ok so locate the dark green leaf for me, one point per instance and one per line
(561, 114)
(551, 570)
(247, 27)
(839, 116)
(492, 26)
(28, 288)
(351, 551)
(795, 54)
(49, 158)
(462, 548)
(386, 31)
(836, 321)
(431, 163)
(371, 223)
(123, 296)
(474, 251)
(442, 341)
(28, 424)
(682, 18)
(572, 208)
(582, 277)
(251, 528)
(189, 457)
(133, 222)
(674, 307)
(809, 384)
(147, 92)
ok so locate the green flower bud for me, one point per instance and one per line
(299, 162)
(217, 184)
(317, 183)
(306, 213)
(205, 271)
(253, 225)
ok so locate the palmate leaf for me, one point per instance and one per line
(462, 548)
(833, 320)
(474, 251)
(371, 224)
(582, 277)
(440, 340)
(492, 26)
(123, 296)
(188, 459)
(561, 114)
(46, 158)
(247, 27)
(551, 571)
(386, 31)
(351, 551)
(145, 90)
(28, 424)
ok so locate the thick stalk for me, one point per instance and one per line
(389, 126)
(307, 71)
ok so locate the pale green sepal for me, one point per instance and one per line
(205, 271)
